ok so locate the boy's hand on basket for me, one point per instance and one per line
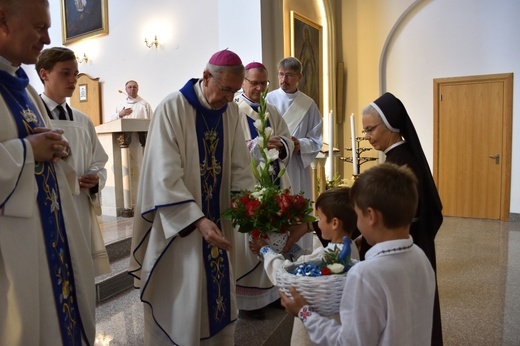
(292, 304)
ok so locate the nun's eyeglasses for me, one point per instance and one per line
(369, 130)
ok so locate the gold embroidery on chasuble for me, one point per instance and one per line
(210, 169)
(62, 272)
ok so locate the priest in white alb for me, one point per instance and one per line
(134, 106)
(305, 122)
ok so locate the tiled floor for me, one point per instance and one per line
(479, 285)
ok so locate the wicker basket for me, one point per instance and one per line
(323, 293)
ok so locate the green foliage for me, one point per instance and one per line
(267, 208)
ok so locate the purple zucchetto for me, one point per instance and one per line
(225, 58)
(255, 64)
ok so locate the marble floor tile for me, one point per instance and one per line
(478, 272)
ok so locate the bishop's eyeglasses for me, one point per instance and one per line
(225, 92)
(255, 83)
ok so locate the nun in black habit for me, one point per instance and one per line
(389, 129)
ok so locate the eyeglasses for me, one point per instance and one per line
(369, 130)
(225, 92)
(255, 83)
(288, 75)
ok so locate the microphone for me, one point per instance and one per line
(122, 92)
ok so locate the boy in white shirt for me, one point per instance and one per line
(336, 219)
(388, 297)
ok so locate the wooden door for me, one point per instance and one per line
(473, 118)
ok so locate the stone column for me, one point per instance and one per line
(124, 139)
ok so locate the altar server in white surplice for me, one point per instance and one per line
(47, 289)
(58, 70)
(254, 289)
(183, 253)
(305, 123)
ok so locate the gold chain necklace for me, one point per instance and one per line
(211, 131)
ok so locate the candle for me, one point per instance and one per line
(354, 146)
(331, 147)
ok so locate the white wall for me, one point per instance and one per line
(446, 38)
(441, 38)
(438, 39)
(189, 32)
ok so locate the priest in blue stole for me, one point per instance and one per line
(183, 254)
(47, 292)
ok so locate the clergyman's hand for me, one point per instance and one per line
(212, 234)
(295, 233)
(124, 112)
(48, 145)
(296, 145)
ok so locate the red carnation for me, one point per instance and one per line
(284, 201)
(251, 207)
(245, 199)
(299, 202)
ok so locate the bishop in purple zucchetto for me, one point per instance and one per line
(255, 64)
(225, 58)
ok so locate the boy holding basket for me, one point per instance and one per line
(388, 297)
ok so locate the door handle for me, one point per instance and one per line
(496, 157)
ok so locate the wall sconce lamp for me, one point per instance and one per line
(82, 60)
(151, 44)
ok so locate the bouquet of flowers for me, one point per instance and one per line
(268, 208)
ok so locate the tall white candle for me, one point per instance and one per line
(331, 147)
(354, 146)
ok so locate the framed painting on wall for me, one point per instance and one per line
(82, 93)
(306, 46)
(83, 18)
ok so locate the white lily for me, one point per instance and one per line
(258, 124)
(272, 154)
(260, 141)
(260, 166)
